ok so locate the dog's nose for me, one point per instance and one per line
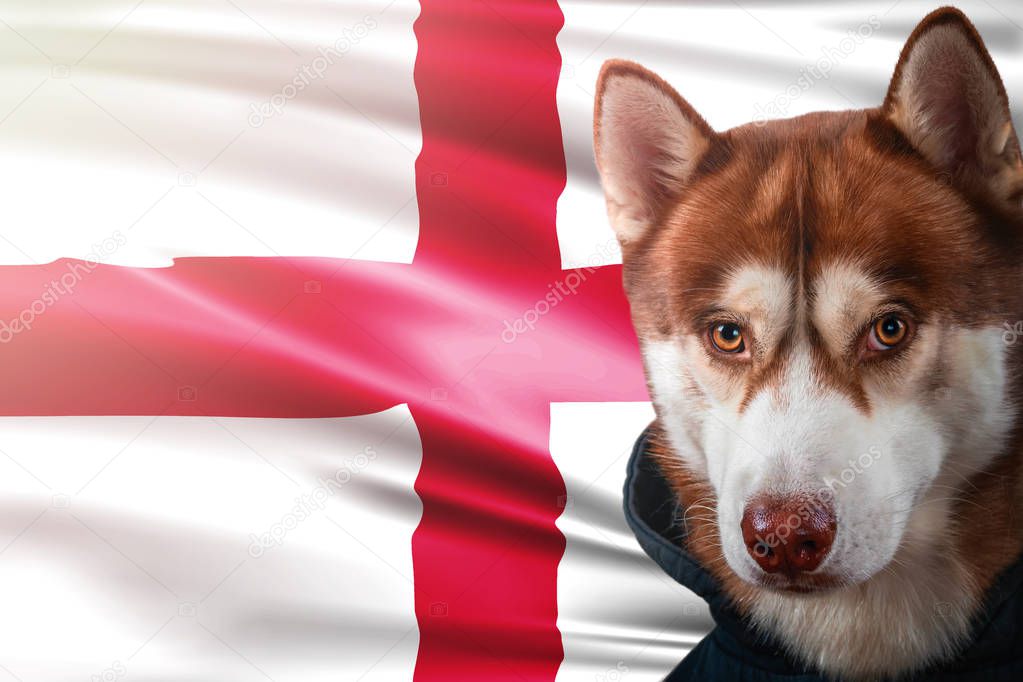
(788, 535)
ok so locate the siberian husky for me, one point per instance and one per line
(830, 311)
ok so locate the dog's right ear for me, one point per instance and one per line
(647, 141)
(948, 100)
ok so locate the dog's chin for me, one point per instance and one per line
(811, 584)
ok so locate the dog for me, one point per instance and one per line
(824, 307)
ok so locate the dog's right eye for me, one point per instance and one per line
(727, 337)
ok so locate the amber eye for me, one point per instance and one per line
(727, 337)
(888, 332)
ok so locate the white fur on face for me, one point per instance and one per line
(801, 436)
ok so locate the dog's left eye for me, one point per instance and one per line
(887, 333)
(727, 337)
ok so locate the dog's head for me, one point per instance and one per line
(828, 306)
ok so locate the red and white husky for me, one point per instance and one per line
(822, 306)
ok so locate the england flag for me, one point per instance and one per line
(314, 355)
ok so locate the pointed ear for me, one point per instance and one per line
(647, 141)
(947, 98)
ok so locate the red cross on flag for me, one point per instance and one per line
(314, 356)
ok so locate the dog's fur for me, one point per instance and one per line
(805, 231)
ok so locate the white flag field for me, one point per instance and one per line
(315, 360)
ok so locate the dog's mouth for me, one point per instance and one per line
(803, 584)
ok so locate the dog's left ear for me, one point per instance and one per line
(947, 98)
(647, 140)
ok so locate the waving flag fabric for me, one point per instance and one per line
(314, 354)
